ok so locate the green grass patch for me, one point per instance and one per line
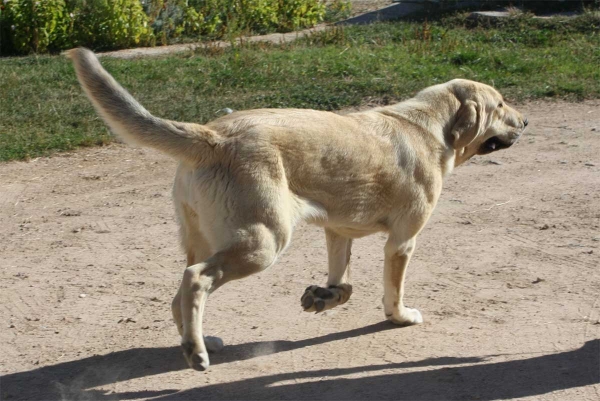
(42, 108)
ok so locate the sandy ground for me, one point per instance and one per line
(506, 275)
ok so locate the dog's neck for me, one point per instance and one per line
(437, 123)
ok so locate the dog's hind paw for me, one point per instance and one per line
(196, 354)
(213, 344)
(195, 357)
(318, 299)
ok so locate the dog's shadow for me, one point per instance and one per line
(70, 380)
(454, 377)
(261, 348)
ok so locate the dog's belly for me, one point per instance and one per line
(348, 222)
(355, 232)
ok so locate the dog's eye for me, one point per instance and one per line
(500, 104)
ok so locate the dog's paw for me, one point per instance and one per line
(318, 299)
(195, 357)
(405, 317)
(196, 354)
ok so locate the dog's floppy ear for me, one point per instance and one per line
(469, 124)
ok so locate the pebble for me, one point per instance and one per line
(82, 295)
(590, 164)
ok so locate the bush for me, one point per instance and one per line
(109, 24)
(217, 18)
(34, 25)
(175, 18)
(51, 25)
(300, 13)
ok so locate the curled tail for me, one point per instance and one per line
(191, 143)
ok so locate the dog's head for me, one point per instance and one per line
(484, 123)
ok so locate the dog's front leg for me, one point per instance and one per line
(397, 256)
(338, 291)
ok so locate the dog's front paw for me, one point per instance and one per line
(405, 316)
(318, 299)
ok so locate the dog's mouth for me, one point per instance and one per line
(493, 144)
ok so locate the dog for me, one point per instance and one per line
(246, 179)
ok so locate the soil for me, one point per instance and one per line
(365, 6)
(506, 274)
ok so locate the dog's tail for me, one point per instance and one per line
(191, 143)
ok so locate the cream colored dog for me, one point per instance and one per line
(247, 179)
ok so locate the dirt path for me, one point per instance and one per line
(506, 275)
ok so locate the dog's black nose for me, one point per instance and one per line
(525, 122)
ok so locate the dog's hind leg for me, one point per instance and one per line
(254, 249)
(196, 249)
(338, 291)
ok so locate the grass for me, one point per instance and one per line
(42, 108)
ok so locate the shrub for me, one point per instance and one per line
(300, 13)
(109, 24)
(219, 17)
(34, 24)
(52, 25)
